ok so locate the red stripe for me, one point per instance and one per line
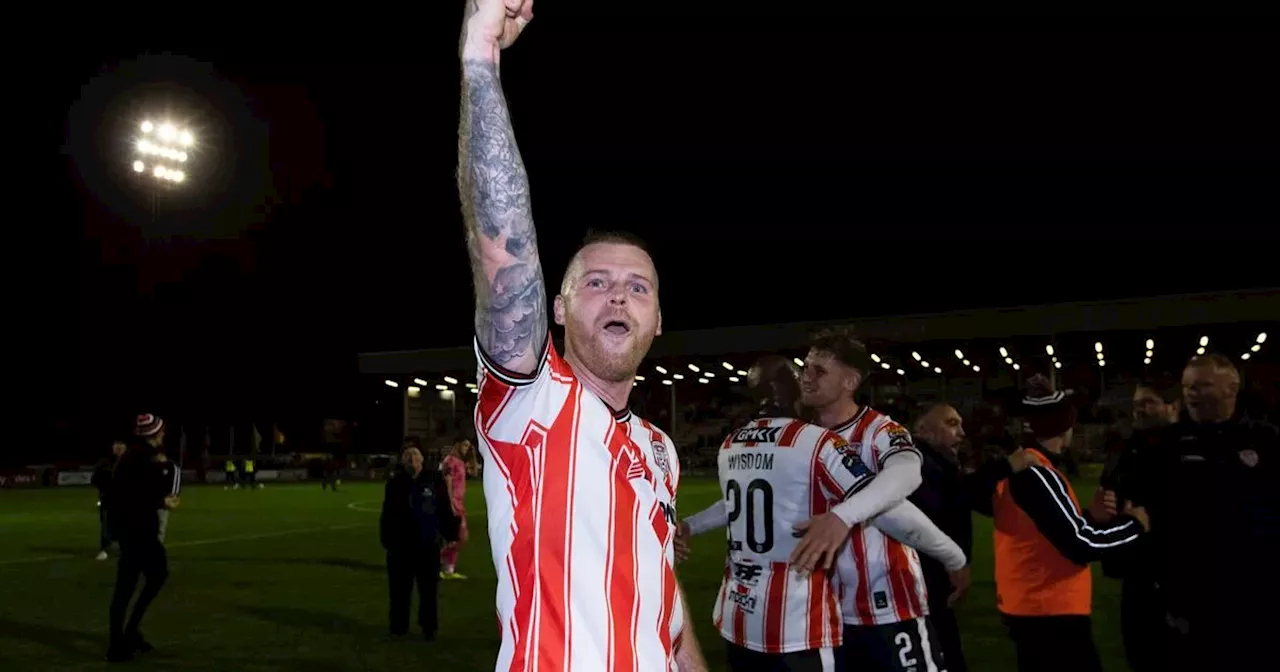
(522, 560)
(724, 599)
(608, 563)
(897, 575)
(493, 396)
(818, 584)
(774, 613)
(622, 572)
(862, 601)
(834, 630)
(554, 510)
(739, 624)
(790, 433)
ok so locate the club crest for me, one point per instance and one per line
(660, 456)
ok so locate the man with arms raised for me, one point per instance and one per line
(775, 473)
(580, 493)
(883, 594)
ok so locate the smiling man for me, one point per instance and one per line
(580, 492)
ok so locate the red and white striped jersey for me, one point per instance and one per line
(880, 578)
(775, 473)
(581, 506)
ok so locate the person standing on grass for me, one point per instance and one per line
(102, 481)
(416, 517)
(454, 469)
(139, 492)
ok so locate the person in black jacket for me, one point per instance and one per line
(102, 474)
(941, 496)
(1212, 484)
(139, 491)
(416, 517)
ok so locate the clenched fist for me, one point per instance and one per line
(492, 25)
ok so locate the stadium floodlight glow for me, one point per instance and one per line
(1262, 338)
(641, 378)
(1097, 347)
(472, 386)
(900, 372)
(666, 382)
(702, 380)
(966, 362)
(1100, 356)
(391, 383)
(162, 146)
(959, 355)
(1057, 365)
(733, 379)
(1017, 368)
(1255, 347)
(727, 366)
(1004, 352)
(694, 368)
(442, 388)
(1151, 353)
(147, 127)
(1245, 356)
(884, 365)
(1204, 341)
(420, 382)
(475, 390)
(924, 364)
(1151, 344)
(1146, 360)
(875, 358)
(976, 368)
(451, 380)
(1102, 362)
(915, 355)
(139, 166)
(1199, 351)
(1048, 350)
(740, 372)
(1008, 360)
(659, 369)
(678, 376)
(937, 369)
(799, 362)
(708, 374)
(414, 390)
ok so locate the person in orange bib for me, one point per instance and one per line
(1044, 543)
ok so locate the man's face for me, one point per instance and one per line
(1210, 393)
(412, 459)
(609, 309)
(944, 427)
(826, 380)
(1150, 410)
(118, 448)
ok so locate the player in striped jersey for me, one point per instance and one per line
(883, 595)
(580, 493)
(775, 473)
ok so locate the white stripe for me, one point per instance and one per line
(1044, 401)
(925, 649)
(827, 658)
(203, 542)
(1078, 524)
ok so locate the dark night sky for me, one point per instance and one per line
(997, 168)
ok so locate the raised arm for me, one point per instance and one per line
(511, 296)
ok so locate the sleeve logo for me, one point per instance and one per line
(898, 437)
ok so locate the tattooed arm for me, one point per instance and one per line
(511, 296)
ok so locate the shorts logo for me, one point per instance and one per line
(1250, 457)
(881, 600)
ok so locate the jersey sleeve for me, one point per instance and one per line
(494, 374)
(888, 440)
(1041, 493)
(841, 471)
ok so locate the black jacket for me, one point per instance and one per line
(137, 491)
(102, 475)
(942, 496)
(416, 512)
(1213, 493)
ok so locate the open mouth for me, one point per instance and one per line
(617, 328)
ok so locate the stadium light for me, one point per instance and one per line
(702, 380)
(875, 358)
(959, 355)
(451, 380)
(1017, 368)
(1101, 356)
(475, 390)
(915, 355)
(901, 372)
(694, 368)
(442, 388)
(708, 374)
(1256, 347)
(1146, 360)
(661, 370)
(391, 383)
(937, 369)
(1008, 360)
(1151, 353)
(678, 376)
(1097, 347)
(1003, 352)
(799, 362)
(472, 386)
(1245, 356)
(976, 368)
(966, 362)
(420, 382)
(924, 364)
(1048, 350)
(740, 372)
(733, 379)
(161, 149)
(727, 366)
(1262, 338)
(884, 365)
(641, 378)
(415, 391)
(1199, 351)
(666, 382)
(1102, 362)
(1151, 344)
(1057, 365)
(1204, 341)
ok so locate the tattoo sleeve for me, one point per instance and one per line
(511, 296)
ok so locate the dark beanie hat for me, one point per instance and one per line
(1048, 412)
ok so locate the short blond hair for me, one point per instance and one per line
(1215, 361)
